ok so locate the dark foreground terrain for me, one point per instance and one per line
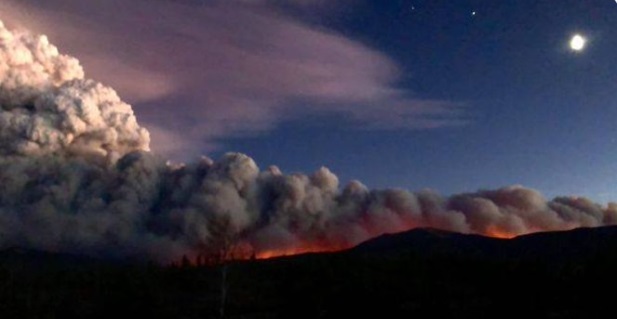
(420, 273)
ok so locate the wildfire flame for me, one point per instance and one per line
(498, 233)
(493, 232)
(266, 254)
(244, 251)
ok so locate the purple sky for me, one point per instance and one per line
(197, 74)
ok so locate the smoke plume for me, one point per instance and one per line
(76, 176)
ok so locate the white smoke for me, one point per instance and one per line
(47, 106)
(76, 176)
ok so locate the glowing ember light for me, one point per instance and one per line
(306, 248)
(497, 233)
(266, 254)
(245, 251)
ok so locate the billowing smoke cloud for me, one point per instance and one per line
(48, 107)
(76, 176)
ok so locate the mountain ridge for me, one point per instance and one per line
(422, 272)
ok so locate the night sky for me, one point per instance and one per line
(449, 95)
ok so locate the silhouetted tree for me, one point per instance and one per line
(221, 250)
(200, 260)
(186, 262)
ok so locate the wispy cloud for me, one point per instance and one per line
(198, 72)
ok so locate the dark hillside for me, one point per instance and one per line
(420, 273)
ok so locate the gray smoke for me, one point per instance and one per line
(76, 175)
(48, 107)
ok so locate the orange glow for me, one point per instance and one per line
(246, 252)
(498, 233)
(305, 248)
(328, 247)
(297, 251)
